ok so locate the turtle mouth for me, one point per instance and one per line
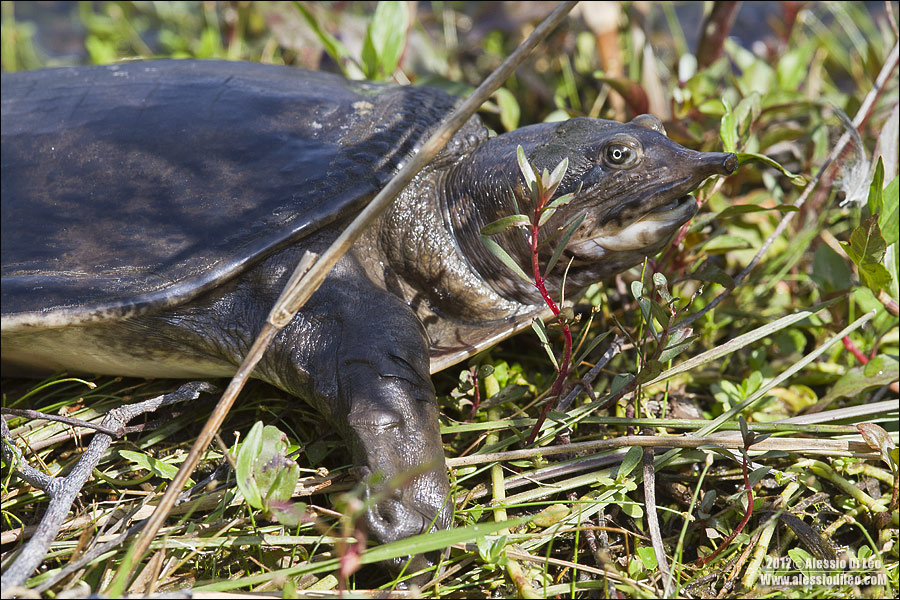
(647, 231)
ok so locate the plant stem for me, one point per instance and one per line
(749, 489)
(851, 347)
(540, 283)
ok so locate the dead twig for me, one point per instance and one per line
(585, 382)
(653, 521)
(62, 491)
(801, 445)
(35, 414)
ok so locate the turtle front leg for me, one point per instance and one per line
(394, 428)
(366, 356)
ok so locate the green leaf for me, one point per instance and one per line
(725, 243)
(745, 157)
(590, 347)
(264, 473)
(792, 68)
(892, 260)
(708, 502)
(619, 382)
(505, 223)
(289, 513)
(756, 75)
(662, 286)
(875, 200)
(369, 59)
(802, 558)
(728, 129)
(742, 209)
(866, 248)
(648, 557)
(649, 370)
(276, 475)
(210, 43)
(563, 242)
(679, 341)
(745, 113)
(154, 465)
(385, 39)
(509, 109)
(556, 176)
(658, 312)
(561, 201)
(745, 430)
(333, 46)
(525, 168)
(247, 453)
(632, 509)
(757, 475)
(505, 258)
(646, 309)
(637, 289)
(545, 215)
(541, 330)
(879, 371)
(631, 459)
(882, 368)
(888, 217)
(831, 271)
(710, 272)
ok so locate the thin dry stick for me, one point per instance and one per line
(62, 491)
(89, 556)
(306, 280)
(653, 520)
(861, 115)
(34, 414)
(585, 382)
(804, 445)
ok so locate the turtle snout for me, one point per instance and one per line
(721, 163)
(705, 164)
(730, 163)
(393, 519)
(397, 518)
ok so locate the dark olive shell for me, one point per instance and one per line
(133, 186)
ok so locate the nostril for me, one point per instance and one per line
(731, 163)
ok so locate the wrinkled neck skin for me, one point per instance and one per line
(431, 238)
(476, 192)
(630, 183)
(480, 189)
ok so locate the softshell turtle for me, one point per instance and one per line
(153, 211)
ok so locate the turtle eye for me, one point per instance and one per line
(620, 155)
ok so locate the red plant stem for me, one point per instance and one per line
(849, 345)
(539, 283)
(706, 560)
(477, 401)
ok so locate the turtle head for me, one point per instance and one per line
(630, 183)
